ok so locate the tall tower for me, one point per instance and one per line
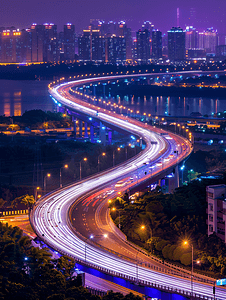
(69, 42)
(37, 37)
(178, 17)
(143, 45)
(176, 44)
(156, 44)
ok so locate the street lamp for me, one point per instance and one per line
(192, 259)
(36, 192)
(65, 166)
(98, 160)
(182, 169)
(47, 175)
(84, 159)
(114, 209)
(118, 149)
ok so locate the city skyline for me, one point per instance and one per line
(163, 14)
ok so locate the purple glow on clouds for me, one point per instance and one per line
(162, 13)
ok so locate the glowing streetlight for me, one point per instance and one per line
(186, 243)
(65, 167)
(118, 149)
(98, 160)
(36, 192)
(84, 159)
(47, 176)
(115, 210)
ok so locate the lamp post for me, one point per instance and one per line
(47, 175)
(182, 169)
(84, 159)
(114, 209)
(65, 166)
(118, 149)
(98, 160)
(36, 192)
(192, 260)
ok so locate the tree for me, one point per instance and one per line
(177, 253)
(66, 265)
(185, 259)
(165, 251)
(27, 200)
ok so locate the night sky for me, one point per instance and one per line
(162, 13)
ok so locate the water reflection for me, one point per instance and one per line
(6, 101)
(16, 97)
(174, 106)
(17, 103)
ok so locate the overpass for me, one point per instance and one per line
(51, 216)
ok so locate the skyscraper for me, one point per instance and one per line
(156, 44)
(143, 45)
(176, 44)
(115, 49)
(69, 42)
(15, 46)
(50, 43)
(191, 37)
(37, 39)
(91, 46)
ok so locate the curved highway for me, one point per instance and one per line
(50, 215)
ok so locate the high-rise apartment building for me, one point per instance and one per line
(50, 43)
(37, 42)
(91, 46)
(15, 46)
(191, 38)
(143, 46)
(176, 44)
(115, 50)
(156, 44)
(216, 199)
(44, 43)
(210, 40)
(148, 25)
(69, 42)
(124, 31)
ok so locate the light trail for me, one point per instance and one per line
(50, 215)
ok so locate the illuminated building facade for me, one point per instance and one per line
(191, 37)
(143, 46)
(37, 46)
(176, 44)
(69, 42)
(115, 50)
(156, 44)
(91, 46)
(14, 46)
(50, 43)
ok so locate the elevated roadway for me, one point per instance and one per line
(52, 216)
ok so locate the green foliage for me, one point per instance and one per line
(39, 276)
(160, 245)
(165, 251)
(27, 200)
(177, 253)
(185, 259)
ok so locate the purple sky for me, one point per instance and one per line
(162, 13)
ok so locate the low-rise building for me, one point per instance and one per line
(216, 199)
